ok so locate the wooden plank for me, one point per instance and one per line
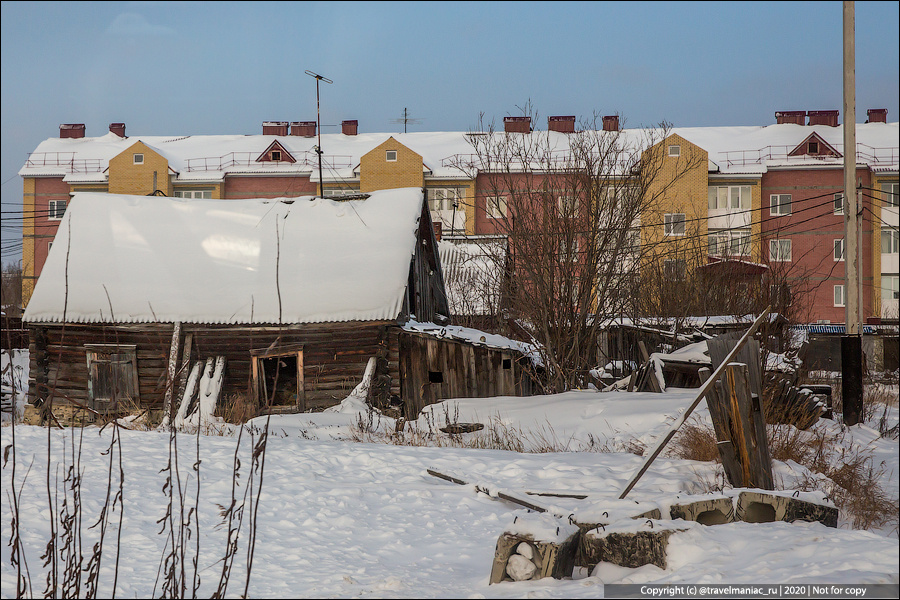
(722, 427)
(751, 446)
(748, 355)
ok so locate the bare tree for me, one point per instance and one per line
(11, 289)
(570, 206)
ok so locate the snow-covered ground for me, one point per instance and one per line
(349, 519)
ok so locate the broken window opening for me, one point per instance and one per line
(278, 377)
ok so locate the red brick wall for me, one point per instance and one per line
(267, 187)
(45, 190)
(812, 228)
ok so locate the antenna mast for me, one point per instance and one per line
(319, 128)
(406, 119)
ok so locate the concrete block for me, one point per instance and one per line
(628, 544)
(707, 509)
(535, 546)
(762, 506)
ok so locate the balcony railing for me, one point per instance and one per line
(864, 152)
(66, 160)
(246, 159)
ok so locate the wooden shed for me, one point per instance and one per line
(296, 294)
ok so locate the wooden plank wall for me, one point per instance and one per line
(335, 356)
(466, 371)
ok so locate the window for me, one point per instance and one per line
(275, 155)
(568, 250)
(780, 204)
(890, 241)
(839, 203)
(674, 268)
(443, 198)
(56, 209)
(890, 288)
(495, 206)
(780, 250)
(277, 375)
(839, 249)
(138, 159)
(839, 298)
(390, 155)
(674, 150)
(891, 194)
(568, 205)
(112, 375)
(813, 148)
(192, 194)
(674, 224)
(729, 243)
(732, 196)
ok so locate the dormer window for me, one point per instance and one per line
(276, 155)
(138, 159)
(813, 148)
(390, 156)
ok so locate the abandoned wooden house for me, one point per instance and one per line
(296, 294)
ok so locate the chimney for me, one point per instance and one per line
(517, 124)
(824, 117)
(611, 123)
(349, 127)
(797, 117)
(304, 128)
(877, 115)
(561, 124)
(71, 130)
(275, 127)
(118, 129)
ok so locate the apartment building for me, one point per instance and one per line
(758, 198)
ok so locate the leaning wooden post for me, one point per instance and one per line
(699, 398)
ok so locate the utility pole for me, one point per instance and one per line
(851, 342)
(319, 128)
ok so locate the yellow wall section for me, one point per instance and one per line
(125, 177)
(376, 173)
(688, 195)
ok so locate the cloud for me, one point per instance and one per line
(131, 24)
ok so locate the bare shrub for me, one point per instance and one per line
(695, 441)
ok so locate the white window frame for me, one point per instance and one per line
(495, 207)
(138, 158)
(671, 224)
(777, 204)
(567, 205)
(443, 198)
(890, 286)
(839, 250)
(840, 298)
(192, 194)
(275, 155)
(891, 194)
(777, 250)
(723, 197)
(839, 203)
(675, 150)
(390, 155)
(890, 238)
(53, 210)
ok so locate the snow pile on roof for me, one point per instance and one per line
(475, 337)
(140, 259)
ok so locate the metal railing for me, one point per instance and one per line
(64, 159)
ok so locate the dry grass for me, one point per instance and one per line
(496, 435)
(236, 409)
(846, 473)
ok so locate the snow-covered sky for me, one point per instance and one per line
(189, 68)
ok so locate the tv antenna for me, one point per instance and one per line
(319, 127)
(406, 119)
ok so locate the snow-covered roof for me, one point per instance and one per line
(138, 259)
(473, 275)
(744, 150)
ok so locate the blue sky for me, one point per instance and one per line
(184, 68)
